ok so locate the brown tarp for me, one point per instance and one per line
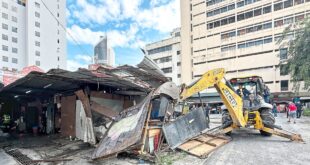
(68, 115)
(125, 132)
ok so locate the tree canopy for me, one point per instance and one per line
(297, 63)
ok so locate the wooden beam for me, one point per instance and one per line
(85, 102)
(103, 110)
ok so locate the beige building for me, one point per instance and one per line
(239, 35)
(167, 55)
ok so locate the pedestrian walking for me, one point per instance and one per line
(274, 110)
(292, 112)
(299, 109)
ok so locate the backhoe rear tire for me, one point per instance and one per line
(226, 121)
(269, 121)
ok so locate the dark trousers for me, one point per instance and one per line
(298, 113)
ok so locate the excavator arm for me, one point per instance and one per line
(231, 99)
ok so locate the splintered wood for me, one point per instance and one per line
(202, 145)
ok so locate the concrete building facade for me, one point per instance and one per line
(167, 55)
(32, 34)
(104, 53)
(239, 35)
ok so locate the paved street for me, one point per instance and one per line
(248, 147)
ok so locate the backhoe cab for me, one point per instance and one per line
(256, 111)
(244, 104)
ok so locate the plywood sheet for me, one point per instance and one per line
(68, 115)
(203, 145)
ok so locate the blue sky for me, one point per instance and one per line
(129, 25)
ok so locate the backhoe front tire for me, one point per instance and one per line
(268, 118)
(226, 121)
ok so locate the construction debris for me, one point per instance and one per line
(202, 145)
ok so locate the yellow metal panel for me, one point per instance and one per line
(209, 79)
(233, 103)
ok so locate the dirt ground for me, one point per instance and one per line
(247, 147)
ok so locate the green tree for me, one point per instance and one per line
(297, 63)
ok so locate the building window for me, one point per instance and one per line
(37, 4)
(14, 9)
(297, 2)
(14, 19)
(37, 14)
(221, 10)
(5, 58)
(14, 39)
(57, 14)
(278, 23)
(38, 63)
(37, 34)
(14, 50)
(4, 5)
(288, 3)
(37, 53)
(178, 52)
(37, 24)
(212, 2)
(159, 50)
(167, 70)
(283, 54)
(228, 35)
(58, 59)
(58, 41)
(5, 16)
(299, 18)
(179, 75)
(14, 60)
(266, 9)
(179, 64)
(164, 59)
(228, 48)
(284, 85)
(283, 70)
(37, 43)
(278, 6)
(5, 37)
(14, 29)
(5, 48)
(14, 69)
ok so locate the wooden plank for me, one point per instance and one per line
(203, 145)
(103, 110)
(146, 127)
(85, 101)
(68, 118)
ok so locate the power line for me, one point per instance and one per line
(65, 29)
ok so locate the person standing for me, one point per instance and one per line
(274, 110)
(292, 112)
(299, 109)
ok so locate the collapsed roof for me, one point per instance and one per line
(126, 80)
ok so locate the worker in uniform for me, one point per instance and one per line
(243, 92)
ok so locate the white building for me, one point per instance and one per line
(104, 53)
(167, 54)
(31, 35)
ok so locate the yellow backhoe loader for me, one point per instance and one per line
(248, 109)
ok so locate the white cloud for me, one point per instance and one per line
(116, 38)
(79, 61)
(85, 58)
(73, 65)
(163, 18)
(83, 36)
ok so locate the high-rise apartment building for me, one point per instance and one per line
(104, 53)
(239, 35)
(32, 34)
(167, 54)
